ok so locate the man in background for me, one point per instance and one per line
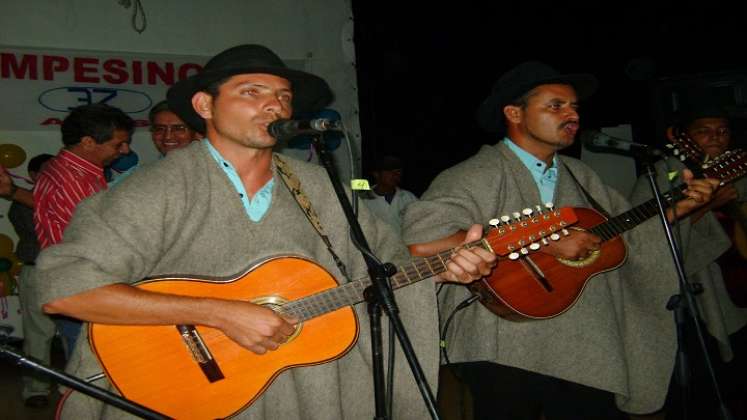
(386, 200)
(93, 136)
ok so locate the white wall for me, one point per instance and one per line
(319, 32)
(617, 171)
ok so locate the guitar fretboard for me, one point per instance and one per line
(351, 293)
(635, 216)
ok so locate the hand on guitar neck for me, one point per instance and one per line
(723, 196)
(576, 245)
(699, 193)
(468, 264)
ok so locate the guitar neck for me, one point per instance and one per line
(635, 216)
(351, 293)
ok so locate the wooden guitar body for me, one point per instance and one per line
(154, 366)
(540, 286)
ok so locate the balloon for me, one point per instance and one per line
(6, 245)
(11, 155)
(5, 265)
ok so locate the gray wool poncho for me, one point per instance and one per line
(618, 337)
(182, 215)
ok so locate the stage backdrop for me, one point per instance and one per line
(55, 55)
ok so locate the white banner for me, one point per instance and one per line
(40, 86)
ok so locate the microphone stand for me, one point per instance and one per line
(683, 303)
(77, 384)
(379, 297)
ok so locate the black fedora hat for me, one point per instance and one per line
(310, 92)
(520, 80)
(699, 103)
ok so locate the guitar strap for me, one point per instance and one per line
(591, 199)
(294, 186)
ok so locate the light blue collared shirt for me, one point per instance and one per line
(545, 178)
(260, 203)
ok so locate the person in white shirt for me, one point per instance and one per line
(386, 200)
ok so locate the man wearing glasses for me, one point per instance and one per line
(168, 131)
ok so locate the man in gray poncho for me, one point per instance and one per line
(212, 209)
(709, 256)
(570, 366)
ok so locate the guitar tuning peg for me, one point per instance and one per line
(554, 236)
(505, 219)
(539, 208)
(669, 146)
(534, 246)
(682, 157)
(524, 251)
(494, 222)
(549, 205)
(676, 152)
(516, 215)
(545, 241)
(527, 212)
(565, 232)
(513, 256)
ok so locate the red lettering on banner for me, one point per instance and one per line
(52, 64)
(137, 72)
(117, 71)
(185, 68)
(80, 69)
(27, 67)
(166, 75)
(52, 121)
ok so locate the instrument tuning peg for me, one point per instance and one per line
(545, 241)
(505, 219)
(524, 251)
(513, 256)
(565, 232)
(527, 212)
(554, 236)
(494, 222)
(516, 215)
(534, 246)
(669, 146)
(539, 208)
(549, 205)
(683, 157)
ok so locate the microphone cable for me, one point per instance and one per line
(442, 339)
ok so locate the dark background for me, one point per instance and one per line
(422, 71)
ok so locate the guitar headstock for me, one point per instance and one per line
(684, 148)
(526, 231)
(728, 166)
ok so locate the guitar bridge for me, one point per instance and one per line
(200, 353)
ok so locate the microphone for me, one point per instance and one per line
(286, 129)
(597, 141)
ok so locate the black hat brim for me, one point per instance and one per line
(310, 92)
(490, 113)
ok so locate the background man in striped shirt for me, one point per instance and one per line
(93, 136)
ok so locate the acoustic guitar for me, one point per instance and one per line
(541, 286)
(196, 372)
